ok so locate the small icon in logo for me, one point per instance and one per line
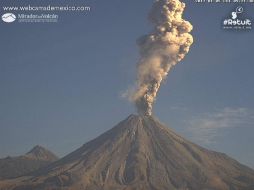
(8, 17)
(239, 10)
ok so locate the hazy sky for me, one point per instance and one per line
(61, 83)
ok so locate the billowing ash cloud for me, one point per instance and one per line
(160, 51)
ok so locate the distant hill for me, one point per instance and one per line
(40, 153)
(37, 157)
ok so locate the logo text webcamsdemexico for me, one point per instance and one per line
(10, 17)
(237, 21)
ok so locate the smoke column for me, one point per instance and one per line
(160, 51)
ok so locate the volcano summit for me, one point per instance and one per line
(139, 153)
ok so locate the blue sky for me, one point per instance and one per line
(61, 83)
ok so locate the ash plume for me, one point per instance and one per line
(160, 50)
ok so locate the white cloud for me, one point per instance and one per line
(206, 128)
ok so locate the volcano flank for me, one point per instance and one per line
(139, 153)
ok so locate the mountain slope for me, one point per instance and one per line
(139, 154)
(11, 167)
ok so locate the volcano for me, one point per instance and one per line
(139, 153)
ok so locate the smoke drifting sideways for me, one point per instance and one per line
(167, 45)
